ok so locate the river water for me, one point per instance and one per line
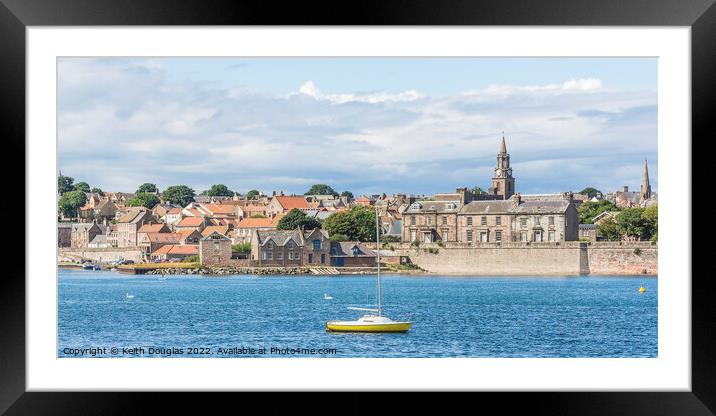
(248, 316)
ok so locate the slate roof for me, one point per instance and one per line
(433, 206)
(488, 207)
(279, 237)
(542, 207)
(345, 249)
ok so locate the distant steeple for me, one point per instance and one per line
(503, 146)
(645, 192)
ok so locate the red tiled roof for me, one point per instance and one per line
(291, 202)
(221, 229)
(174, 211)
(177, 249)
(190, 222)
(219, 209)
(151, 228)
(256, 223)
(171, 238)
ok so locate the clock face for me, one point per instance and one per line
(498, 173)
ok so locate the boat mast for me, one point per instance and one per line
(377, 249)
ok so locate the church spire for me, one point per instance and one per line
(645, 186)
(503, 146)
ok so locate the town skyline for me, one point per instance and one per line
(393, 127)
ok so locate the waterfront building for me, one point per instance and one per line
(64, 234)
(130, 223)
(317, 247)
(192, 223)
(430, 221)
(351, 254)
(278, 247)
(247, 226)
(215, 249)
(83, 233)
(174, 252)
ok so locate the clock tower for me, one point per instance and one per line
(503, 183)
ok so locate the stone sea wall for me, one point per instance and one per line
(566, 258)
(104, 255)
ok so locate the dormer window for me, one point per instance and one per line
(415, 206)
(356, 250)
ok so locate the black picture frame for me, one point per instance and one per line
(16, 15)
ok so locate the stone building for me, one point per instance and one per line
(317, 247)
(64, 234)
(352, 254)
(545, 218)
(430, 221)
(215, 250)
(83, 233)
(485, 221)
(130, 223)
(277, 247)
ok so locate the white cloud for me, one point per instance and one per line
(310, 89)
(120, 124)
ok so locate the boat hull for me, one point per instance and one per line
(363, 327)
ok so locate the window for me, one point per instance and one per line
(444, 219)
(498, 235)
(279, 255)
(483, 220)
(537, 219)
(270, 245)
(428, 220)
(523, 222)
(523, 235)
(323, 259)
(356, 250)
(412, 235)
(469, 220)
(483, 237)
(412, 220)
(445, 235)
(316, 245)
(551, 220)
(264, 255)
(469, 236)
(498, 220)
(310, 258)
(290, 245)
(269, 255)
(550, 236)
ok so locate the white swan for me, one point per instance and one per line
(326, 296)
(129, 296)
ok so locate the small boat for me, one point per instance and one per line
(642, 289)
(326, 296)
(89, 266)
(374, 321)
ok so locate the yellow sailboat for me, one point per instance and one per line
(374, 321)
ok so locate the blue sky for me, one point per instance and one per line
(368, 125)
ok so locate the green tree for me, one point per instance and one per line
(609, 230)
(349, 194)
(82, 186)
(241, 248)
(297, 219)
(252, 194)
(146, 187)
(219, 190)
(97, 191)
(357, 223)
(590, 192)
(651, 218)
(340, 225)
(321, 189)
(631, 224)
(64, 184)
(144, 199)
(179, 194)
(70, 203)
(590, 209)
(477, 190)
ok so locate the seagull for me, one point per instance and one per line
(326, 296)
(129, 296)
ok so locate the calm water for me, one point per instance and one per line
(453, 316)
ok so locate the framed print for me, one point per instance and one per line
(454, 198)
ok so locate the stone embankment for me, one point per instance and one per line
(230, 271)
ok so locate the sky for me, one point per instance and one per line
(367, 125)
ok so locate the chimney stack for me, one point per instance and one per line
(626, 188)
